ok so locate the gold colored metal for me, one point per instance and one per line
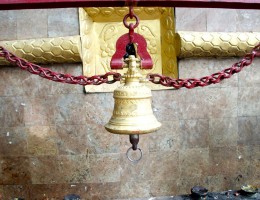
(101, 27)
(46, 50)
(132, 110)
(207, 44)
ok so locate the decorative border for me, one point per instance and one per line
(160, 43)
(46, 50)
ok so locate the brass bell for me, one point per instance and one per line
(132, 109)
(133, 113)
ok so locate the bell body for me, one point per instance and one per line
(132, 109)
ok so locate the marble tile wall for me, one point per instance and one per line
(53, 143)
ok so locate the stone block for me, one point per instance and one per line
(169, 170)
(163, 188)
(247, 20)
(221, 20)
(42, 141)
(104, 168)
(12, 113)
(16, 191)
(135, 171)
(63, 22)
(8, 25)
(83, 109)
(135, 189)
(31, 24)
(194, 133)
(223, 132)
(194, 162)
(13, 141)
(223, 161)
(40, 111)
(72, 139)
(100, 141)
(198, 22)
(73, 169)
(167, 138)
(248, 104)
(44, 170)
(248, 130)
(15, 170)
(250, 76)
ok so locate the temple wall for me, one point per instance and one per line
(52, 139)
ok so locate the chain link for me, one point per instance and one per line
(56, 76)
(154, 78)
(206, 80)
(131, 26)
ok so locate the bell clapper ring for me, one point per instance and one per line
(132, 159)
(134, 139)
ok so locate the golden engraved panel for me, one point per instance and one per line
(46, 50)
(101, 27)
(206, 44)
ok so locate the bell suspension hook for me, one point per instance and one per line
(134, 140)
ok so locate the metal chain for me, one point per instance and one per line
(131, 26)
(154, 78)
(56, 76)
(206, 80)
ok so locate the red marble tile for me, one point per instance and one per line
(164, 165)
(12, 111)
(15, 191)
(104, 168)
(73, 169)
(165, 105)
(44, 170)
(100, 141)
(223, 160)
(100, 191)
(184, 22)
(248, 130)
(194, 162)
(248, 101)
(223, 132)
(63, 22)
(167, 138)
(13, 141)
(40, 111)
(135, 171)
(247, 20)
(15, 170)
(80, 109)
(194, 133)
(135, 189)
(218, 20)
(42, 140)
(164, 188)
(26, 22)
(72, 139)
(8, 25)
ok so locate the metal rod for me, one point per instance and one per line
(134, 140)
(36, 4)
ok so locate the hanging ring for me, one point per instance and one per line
(133, 16)
(134, 160)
